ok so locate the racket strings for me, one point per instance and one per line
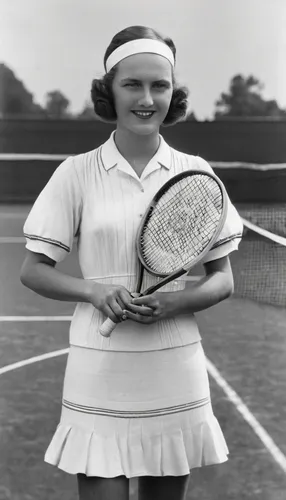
(181, 224)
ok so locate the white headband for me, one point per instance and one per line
(139, 46)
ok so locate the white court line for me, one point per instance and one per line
(263, 435)
(33, 156)
(30, 361)
(34, 318)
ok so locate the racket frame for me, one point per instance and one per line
(167, 278)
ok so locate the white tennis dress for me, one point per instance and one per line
(137, 403)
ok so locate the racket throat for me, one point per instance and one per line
(139, 281)
(166, 280)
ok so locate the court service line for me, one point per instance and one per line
(30, 361)
(4, 319)
(262, 434)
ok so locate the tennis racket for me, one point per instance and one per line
(179, 227)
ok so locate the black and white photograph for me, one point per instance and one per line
(142, 250)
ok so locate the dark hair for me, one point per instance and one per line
(101, 90)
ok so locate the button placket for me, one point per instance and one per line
(142, 191)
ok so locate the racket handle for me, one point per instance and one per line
(107, 328)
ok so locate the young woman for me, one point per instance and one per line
(136, 404)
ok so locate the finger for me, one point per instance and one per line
(124, 298)
(149, 302)
(146, 300)
(107, 311)
(145, 311)
(116, 309)
(121, 303)
(138, 317)
(124, 304)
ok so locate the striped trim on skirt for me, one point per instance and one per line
(136, 413)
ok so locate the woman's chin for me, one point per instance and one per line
(145, 128)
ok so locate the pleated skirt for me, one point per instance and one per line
(136, 414)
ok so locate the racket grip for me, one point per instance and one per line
(107, 328)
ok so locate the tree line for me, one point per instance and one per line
(242, 99)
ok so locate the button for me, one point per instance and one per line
(142, 189)
(140, 215)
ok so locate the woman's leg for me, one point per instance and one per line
(166, 487)
(101, 488)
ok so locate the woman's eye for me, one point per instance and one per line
(160, 85)
(132, 84)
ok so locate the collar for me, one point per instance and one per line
(112, 157)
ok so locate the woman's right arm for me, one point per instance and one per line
(40, 275)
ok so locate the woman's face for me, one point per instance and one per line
(142, 90)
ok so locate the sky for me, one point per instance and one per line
(60, 44)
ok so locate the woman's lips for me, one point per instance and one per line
(143, 115)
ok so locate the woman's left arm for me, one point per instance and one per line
(214, 287)
(211, 289)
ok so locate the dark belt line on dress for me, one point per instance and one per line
(136, 413)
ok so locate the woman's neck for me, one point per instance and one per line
(136, 147)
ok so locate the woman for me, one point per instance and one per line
(136, 404)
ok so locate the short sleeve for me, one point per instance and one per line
(54, 219)
(230, 236)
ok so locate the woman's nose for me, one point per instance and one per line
(146, 98)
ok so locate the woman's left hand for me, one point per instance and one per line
(150, 308)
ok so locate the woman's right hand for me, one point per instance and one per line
(111, 300)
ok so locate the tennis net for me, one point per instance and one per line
(259, 267)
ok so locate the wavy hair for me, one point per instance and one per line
(101, 89)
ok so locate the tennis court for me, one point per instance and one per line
(245, 343)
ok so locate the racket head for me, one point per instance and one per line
(181, 223)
